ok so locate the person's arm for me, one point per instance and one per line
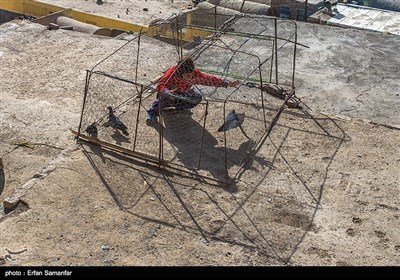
(163, 84)
(233, 83)
(204, 79)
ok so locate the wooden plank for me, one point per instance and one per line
(142, 156)
(117, 148)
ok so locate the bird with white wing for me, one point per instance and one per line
(233, 120)
(115, 122)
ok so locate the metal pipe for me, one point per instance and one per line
(276, 51)
(202, 136)
(84, 99)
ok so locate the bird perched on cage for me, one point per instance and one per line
(92, 130)
(233, 120)
(115, 122)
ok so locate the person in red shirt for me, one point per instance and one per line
(178, 81)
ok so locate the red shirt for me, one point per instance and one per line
(171, 81)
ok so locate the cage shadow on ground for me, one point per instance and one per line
(2, 180)
(271, 211)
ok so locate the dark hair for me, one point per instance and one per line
(185, 65)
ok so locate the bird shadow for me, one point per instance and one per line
(2, 179)
(119, 138)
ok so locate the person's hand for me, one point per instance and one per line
(167, 91)
(234, 83)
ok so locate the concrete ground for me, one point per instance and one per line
(323, 190)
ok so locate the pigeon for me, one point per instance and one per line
(92, 130)
(233, 120)
(115, 122)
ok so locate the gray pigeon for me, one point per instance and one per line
(233, 120)
(92, 130)
(115, 122)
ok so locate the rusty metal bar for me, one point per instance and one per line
(294, 53)
(137, 117)
(202, 136)
(84, 98)
(276, 51)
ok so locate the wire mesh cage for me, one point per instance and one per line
(215, 136)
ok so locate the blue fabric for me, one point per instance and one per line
(165, 101)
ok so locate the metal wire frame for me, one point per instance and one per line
(142, 88)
